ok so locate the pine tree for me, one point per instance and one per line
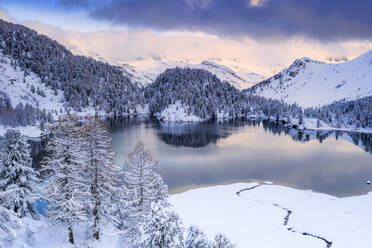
(67, 188)
(163, 228)
(196, 238)
(18, 180)
(101, 171)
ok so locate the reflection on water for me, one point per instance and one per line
(337, 163)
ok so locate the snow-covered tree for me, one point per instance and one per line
(101, 171)
(18, 180)
(221, 241)
(142, 187)
(196, 238)
(162, 228)
(8, 223)
(67, 187)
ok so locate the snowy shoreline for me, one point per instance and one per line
(248, 213)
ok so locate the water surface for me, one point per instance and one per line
(189, 155)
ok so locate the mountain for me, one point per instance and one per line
(41, 79)
(145, 70)
(312, 83)
(184, 94)
(81, 83)
(191, 94)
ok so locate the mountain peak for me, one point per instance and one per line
(309, 82)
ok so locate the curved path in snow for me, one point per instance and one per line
(286, 218)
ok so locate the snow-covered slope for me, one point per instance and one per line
(145, 70)
(18, 86)
(313, 83)
(178, 112)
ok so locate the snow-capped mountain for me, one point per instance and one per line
(313, 83)
(145, 70)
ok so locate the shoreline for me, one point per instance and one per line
(291, 217)
(183, 189)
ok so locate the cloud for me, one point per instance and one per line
(260, 19)
(264, 57)
(256, 3)
(4, 15)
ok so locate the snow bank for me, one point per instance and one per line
(177, 112)
(29, 131)
(256, 217)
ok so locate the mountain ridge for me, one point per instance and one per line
(312, 83)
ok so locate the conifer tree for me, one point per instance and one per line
(221, 241)
(8, 223)
(142, 187)
(163, 228)
(196, 238)
(101, 171)
(67, 188)
(18, 180)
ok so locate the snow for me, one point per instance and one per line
(315, 83)
(29, 131)
(252, 219)
(145, 70)
(47, 235)
(177, 112)
(11, 82)
(311, 124)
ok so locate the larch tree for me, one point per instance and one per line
(162, 228)
(18, 180)
(221, 241)
(101, 171)
(67, 188)
(196, 238)
(142, 187)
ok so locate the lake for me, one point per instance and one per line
(195, 154)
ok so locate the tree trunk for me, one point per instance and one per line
(70, 235)
(96, 229)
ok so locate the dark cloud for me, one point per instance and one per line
(319, 19)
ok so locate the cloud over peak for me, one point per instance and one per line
(260, 19)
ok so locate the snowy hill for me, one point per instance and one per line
(313, 83)
(145, 70)
(27, 89)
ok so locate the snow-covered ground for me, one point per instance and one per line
(177, 112)
(271, 216)
(18, 87)
(250, 214)
(29, 131)
(313, 83)
(42, 234)
(311, 124)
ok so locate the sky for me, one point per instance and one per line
(258, 34)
